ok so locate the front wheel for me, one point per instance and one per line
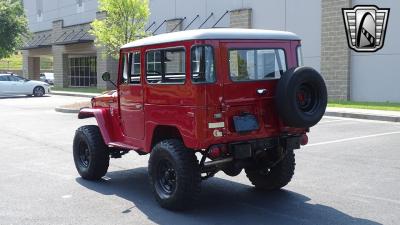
(276, 177)
(38, 91)
(174, 174)
(91, 155)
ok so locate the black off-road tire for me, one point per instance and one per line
(276, 177)
(174, 175)
(38, 91)
(91, 155)
(301, 97)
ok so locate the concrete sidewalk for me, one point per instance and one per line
(368, 114)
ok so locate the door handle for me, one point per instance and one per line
(262, 91)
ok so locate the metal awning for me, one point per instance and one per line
(74, 36)
(38, 40)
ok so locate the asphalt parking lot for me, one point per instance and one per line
(348, 174)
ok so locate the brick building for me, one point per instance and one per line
(60, 29)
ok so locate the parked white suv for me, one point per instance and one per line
(11, 84)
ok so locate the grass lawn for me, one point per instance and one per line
(75, 89)
(14, 62)
(389, 106)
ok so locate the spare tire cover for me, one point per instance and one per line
(301, 97)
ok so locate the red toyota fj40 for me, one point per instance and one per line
(239, 98)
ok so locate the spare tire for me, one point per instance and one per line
(301, 97)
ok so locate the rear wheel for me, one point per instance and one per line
(273, 178)
(174, 174)
(38, 91)
(91, 155)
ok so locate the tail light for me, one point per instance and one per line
(304, 139)
(217, 151)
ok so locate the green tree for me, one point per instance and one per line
(124, 23)
(13, 25)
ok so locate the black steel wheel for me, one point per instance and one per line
(38, 91)
(174, 175)
(91, 155)
(166, 178)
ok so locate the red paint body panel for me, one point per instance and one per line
(129, 117)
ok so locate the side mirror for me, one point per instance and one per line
(106, 76)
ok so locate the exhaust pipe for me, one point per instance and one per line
(216, 164)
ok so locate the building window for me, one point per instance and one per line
(39, 10)
(80, 6)
(83, 71)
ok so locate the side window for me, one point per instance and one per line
(125, 67)
(300, 61)
(135, 68)
(166, 66)
(3, 78)
(14, 78)
(203, 69)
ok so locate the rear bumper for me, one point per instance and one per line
(248, 149)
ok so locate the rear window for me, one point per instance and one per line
(256, 64)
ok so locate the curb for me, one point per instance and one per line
(364, 116)
(74, 94)
(66, 110)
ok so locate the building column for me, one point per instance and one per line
(60, 66)
(31, 66)
(106, 64)
(335, 53)
(241, 18)
(173, 25)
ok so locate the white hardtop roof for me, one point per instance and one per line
(215, 33)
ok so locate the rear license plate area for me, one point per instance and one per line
(245, 123)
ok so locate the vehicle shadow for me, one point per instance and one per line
(222, 202)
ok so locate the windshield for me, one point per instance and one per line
(256, 64)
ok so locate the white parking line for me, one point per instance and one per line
(330, 121)
(351, 139)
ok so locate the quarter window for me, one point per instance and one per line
(166, 66)
(203, 69)
(256, 64)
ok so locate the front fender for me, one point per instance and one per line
(103, 119)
